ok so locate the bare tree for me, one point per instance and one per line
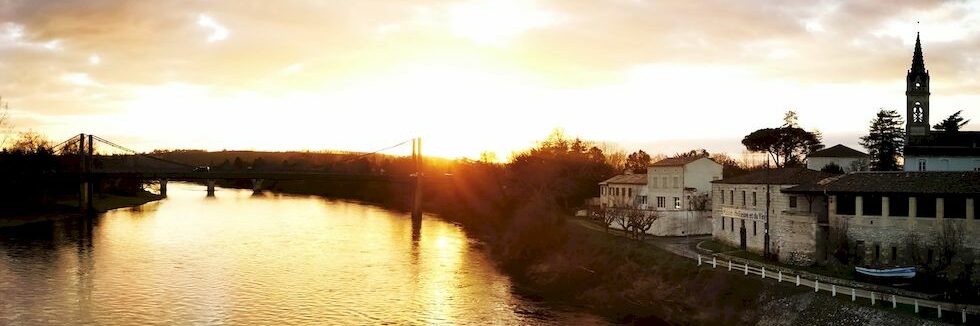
(949, 243)
(606, 215)
(700, 202)
(643, 222)
(5, 126)
(840, 242)
(622, 218)
(912, 247)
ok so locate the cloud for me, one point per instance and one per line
(218, 32)
(104, 53)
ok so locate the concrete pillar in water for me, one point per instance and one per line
(163, 187)
(210, 187)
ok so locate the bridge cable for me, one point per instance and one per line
(141, 154)
(377, 151)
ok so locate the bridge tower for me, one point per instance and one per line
(417, 201)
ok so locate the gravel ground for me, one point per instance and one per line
(819, 309)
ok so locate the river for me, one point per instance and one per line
(239, 258)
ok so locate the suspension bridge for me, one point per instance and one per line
(87, 173)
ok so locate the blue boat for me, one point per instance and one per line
(900, 272)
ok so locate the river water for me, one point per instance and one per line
(239, 258)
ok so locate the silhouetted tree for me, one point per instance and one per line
(832, 168)
(700, 152)
(31, 142)
(885, 141)
(952, 123)
(785, 145)
(5, 126)
(239, 164)
(637, 162)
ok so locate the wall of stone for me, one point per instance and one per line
(679, 223)
(793, 232)
(879, 234)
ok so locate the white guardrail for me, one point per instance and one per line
(744, 266)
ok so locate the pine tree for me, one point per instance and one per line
(885, 141)
(953, 123)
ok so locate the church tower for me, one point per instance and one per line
(917, 95)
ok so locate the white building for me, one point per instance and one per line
(681, 183)
(625, 190)
(848, 159)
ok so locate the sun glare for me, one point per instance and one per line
(496, 22)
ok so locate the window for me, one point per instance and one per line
(722, 196)
(654, 183)
(661, 201)
(753, 228)
(743, 198)
(676, 184)
(732, 221)
(629, 192)
(792, 201)
(677, 202)
(722, 223)
(922, 165)
(871, 204)
(845, 204)
(898, 205)
(731, 196)
(664, 181)
(643, 200)
(925, 206)
(894, 254)
(755, 201)
(954, 207)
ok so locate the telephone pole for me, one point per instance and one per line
(417, 158)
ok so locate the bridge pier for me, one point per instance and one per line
(210, 187)
(84, 197)
(257, 185)
(163, 187)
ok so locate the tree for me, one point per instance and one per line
(638, 162)
(5, 127)
(885, 140)
(832, 168)
(700, 152)
(791, 119)
(952, 123)
(786, 145)
(31, 142)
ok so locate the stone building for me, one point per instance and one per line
(848, 159)
(744, 205)
(886, 214)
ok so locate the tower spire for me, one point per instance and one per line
(918, 63)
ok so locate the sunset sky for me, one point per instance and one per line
(473, 75)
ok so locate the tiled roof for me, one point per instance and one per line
(637, 179)
(940, 143)
(781, 176)
(677, 161)
(928, 182)
(838, 151)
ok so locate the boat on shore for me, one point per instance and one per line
(899, 272)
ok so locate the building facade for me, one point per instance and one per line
(898, 218)
(625, 190)
(848, 159)
(746, 208)
(682, 183)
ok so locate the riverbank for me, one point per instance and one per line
(69, 208)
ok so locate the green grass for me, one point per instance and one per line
(718, 247)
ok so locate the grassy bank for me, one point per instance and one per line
(69, 208)
(629, 281)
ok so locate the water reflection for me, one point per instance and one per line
(262, 258)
